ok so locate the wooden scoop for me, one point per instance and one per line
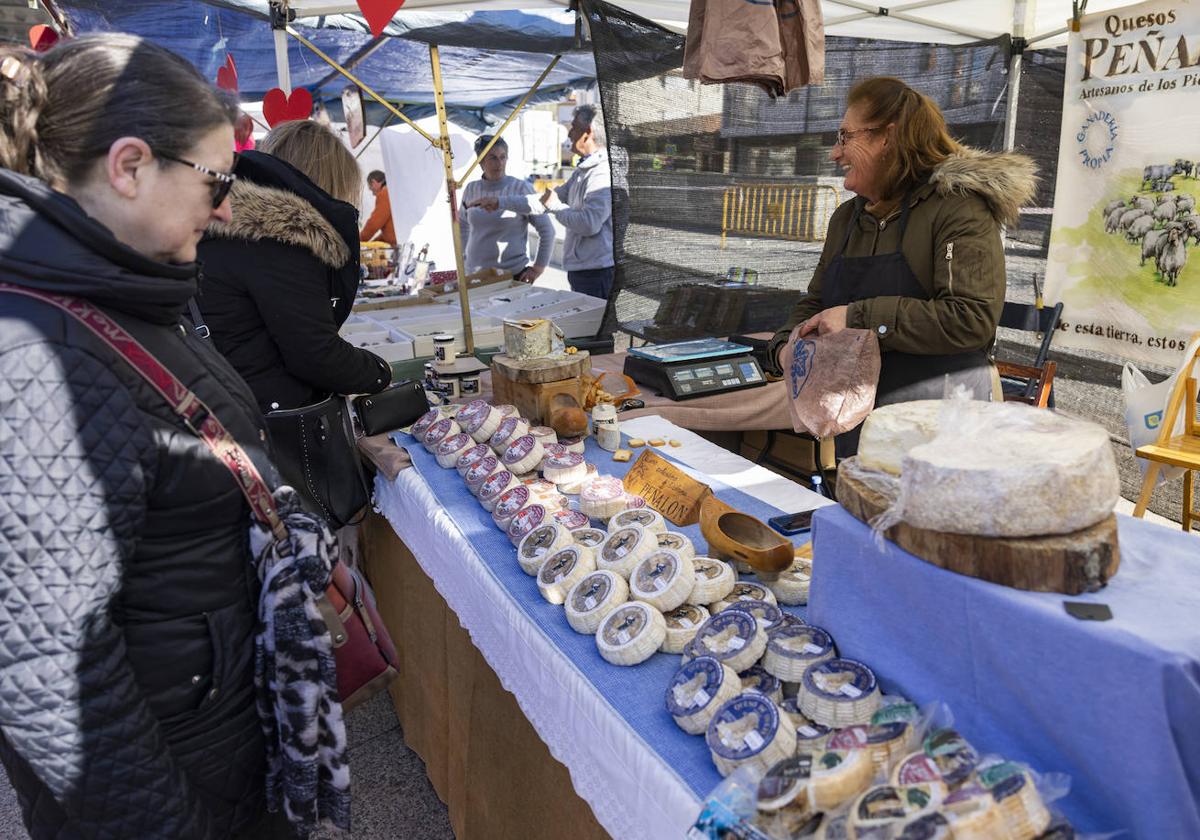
(733, 535)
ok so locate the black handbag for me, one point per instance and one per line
(395, 407)
(315, 452)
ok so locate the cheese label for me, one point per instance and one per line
(624, 624)
(592, 591)
(849, 738)
(472, 457)
(472, 411)
(656, 572)
(783, 782)
(642, 517)
(507, 410)
(694, 685)
(495, 484)
(667, 488)
(539, 541)
(620, 543)
(955, 758)
(482, 469)
(748, 592)
(426, 420)
(707, 568)
(454, 443)
(507, 429)
(767, 614)
(742, 727)
(918, 768)
(519, 449)
(839, 679)
(438, 432)
(800, 641)
(736, 643)
(591, 537)
(562, 460)
(685, 617)
(525, 521)
(726, 633)
(511, 501)
(896, 713)
(1004, 779)
(572, 520)
(559, 565)
(887, 803)
(671, 540)
(634, 502)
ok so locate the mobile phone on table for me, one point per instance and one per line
(790, 524)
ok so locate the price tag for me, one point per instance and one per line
(811, 648)
(659, 584)
(686, 623)
(753, 740)
(736, 643)
(622, 551)
(808, 732)
(623, 637)
(700, 698)
(851, 691)
(589, 602)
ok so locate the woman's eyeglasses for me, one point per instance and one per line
(843, 135)
(222, 181)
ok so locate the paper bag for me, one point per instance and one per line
(831, 380)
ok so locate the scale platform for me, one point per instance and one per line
(684, 370)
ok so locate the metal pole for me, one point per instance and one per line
(1022, 15)
(505, 124)
(439, 100)
(282, 71)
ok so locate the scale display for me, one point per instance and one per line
(689, 369)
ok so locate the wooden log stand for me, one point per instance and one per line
(531, 384)
(1070, 563)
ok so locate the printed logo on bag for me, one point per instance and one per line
(802, 358)
(1153, 420)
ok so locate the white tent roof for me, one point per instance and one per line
(923, 21)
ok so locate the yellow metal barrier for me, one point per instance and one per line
(780, 211)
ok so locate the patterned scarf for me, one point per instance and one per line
(295, 674)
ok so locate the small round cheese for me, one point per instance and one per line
(783, 793)
(539, 544)
(749, 730)
(733, 637)
(714, 580)
(792, 649)
(591, 600)
(528, 518)
(522, 455)
(698, 689)
(451, 448)
(768, 616)
(916, 768)
(839, 775)
(756, 679)
(885, 806)
(573, 520)
(622, 550)
(663, 580)
(574, 488)
(479, 420)
(495, 486)
(438, 432)
(633, 502)
(564, 468)
(562, 570)
(791, 587)
(511, 501)
(574, 444)
(602, 498)
(678, 543)
(545, 493)
(838, 693)
(810, 737)
(475, 474)
(507, 432)
(631, 633)
(683, 623)
(507, 411)
(472, 457)
(649, 519)
(423, 423)
(544, 435)
(591, 537)
(887, 743)
(745, 590)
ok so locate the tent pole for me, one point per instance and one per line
(282, 71)
(1022, 15)
(439, 100)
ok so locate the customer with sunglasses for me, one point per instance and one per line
(281, 275)
(127, 705)
(916, 257)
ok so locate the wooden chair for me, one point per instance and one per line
(1030, 383)
(1173, 450)
(1040, 382)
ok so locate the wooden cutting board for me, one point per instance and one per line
(1068, 563)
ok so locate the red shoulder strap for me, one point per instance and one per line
(194, 413)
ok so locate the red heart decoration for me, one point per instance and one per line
(279, 107)
(42, 37)
(227, 77)
(379, 13)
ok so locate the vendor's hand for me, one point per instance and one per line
(489, 203)
(547, 197)
(825, 322)
(532, 273)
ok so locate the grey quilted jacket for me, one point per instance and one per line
(127, 613)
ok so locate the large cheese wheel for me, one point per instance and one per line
(890, 431)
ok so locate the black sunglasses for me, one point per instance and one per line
(222, 181)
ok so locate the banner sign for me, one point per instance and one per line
(1124, 253)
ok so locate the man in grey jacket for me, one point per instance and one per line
(583, 205)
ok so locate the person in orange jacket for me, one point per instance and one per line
(379, 225)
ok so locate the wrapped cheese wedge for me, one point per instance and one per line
(562, 570)
(663, 580)
(539, 544)
(954, 756)
(885, 806)
(974, 814)
(714, 581)
(749, 730)
(591, 600)
(886, 743)
(631, 633)
(698, 690)
(1024, 812)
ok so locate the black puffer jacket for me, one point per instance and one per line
(278, 283)
(127, 699)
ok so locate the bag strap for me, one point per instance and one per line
(197, 416)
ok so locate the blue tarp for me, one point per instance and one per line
(481, 86)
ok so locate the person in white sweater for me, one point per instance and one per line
(501, 239)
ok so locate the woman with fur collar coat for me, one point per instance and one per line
(917, 256)
(279, 278)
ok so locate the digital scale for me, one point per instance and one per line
(686, 369)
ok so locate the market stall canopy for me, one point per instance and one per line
(481, 85)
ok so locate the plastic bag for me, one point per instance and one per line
(1145, 405)
(831, 380)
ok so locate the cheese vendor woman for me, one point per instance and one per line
(916, 257)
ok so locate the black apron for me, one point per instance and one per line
(903, 377)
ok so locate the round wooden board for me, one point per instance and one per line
(1068, 563)
(541, 371)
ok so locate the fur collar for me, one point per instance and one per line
(270, 213)
(1005, 180)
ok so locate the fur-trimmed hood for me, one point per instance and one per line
(1005, 180)
(261, 212)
